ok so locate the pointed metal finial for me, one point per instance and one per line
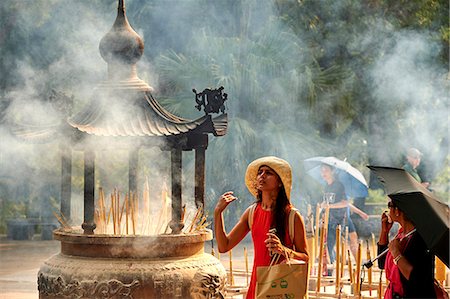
(121, 7)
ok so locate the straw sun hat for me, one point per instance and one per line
(280, 166)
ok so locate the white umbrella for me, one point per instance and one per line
(354, 182)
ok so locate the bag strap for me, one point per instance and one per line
(251, 212)
(291, 223)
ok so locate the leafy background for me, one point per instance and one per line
(359, 80)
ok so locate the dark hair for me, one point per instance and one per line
(280, 213)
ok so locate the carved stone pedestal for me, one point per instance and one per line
(103, 266)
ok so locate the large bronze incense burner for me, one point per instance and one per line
(103, 259)
(163, 266)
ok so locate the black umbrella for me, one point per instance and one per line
(430, 216)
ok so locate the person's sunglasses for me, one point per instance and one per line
(391, 205)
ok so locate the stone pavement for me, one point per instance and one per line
(19, 264)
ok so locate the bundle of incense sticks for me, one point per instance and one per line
(129, 205)
(100, 218)
(146, 212)
(199, 222)
(164, 214)
(124, 216)
(62, 219)
(117, 210)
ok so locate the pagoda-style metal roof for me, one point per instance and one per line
(124, 105)
(144, 117)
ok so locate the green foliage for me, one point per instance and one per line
(376, 196)
(441, 184)
(299, 75)
(10, 210)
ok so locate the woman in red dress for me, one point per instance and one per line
(269, 179)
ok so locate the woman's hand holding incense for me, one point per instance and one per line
(273, 244)
(224, 200)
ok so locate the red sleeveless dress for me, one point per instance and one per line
(262, 221)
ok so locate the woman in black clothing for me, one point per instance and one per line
(409, 265)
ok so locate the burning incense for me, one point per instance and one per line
(350, 268)
(321, 252)
(195, 219)
(358, 271)
(102, 209)
(316, 232)
(369, 272)
(246, 264)
(97, 220)
(310, 239)
(231, 267)
(113, 212)
(344, 248)
(163, 211)
(380, 287)
(342, 257)
(61, 220)
(338, 252)
(134, 208)
(374, 246)
(118, 215)
(146, 215)
(127, 212)
(183, 212)
(66, 221)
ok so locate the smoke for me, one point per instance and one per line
(277, 76)
(407, 76)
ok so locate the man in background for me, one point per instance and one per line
(413, 157)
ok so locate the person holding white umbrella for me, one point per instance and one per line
(341, 182)
(336, 200)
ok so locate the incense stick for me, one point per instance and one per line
(61, 221)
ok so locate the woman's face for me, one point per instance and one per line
(392, 210)
(267, 179)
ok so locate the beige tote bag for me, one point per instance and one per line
(287, 280)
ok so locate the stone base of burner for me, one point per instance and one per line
(199, 276)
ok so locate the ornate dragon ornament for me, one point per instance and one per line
(207, 286)
(56, 286)
(211, 99)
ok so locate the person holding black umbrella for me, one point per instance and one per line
(408, 264)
